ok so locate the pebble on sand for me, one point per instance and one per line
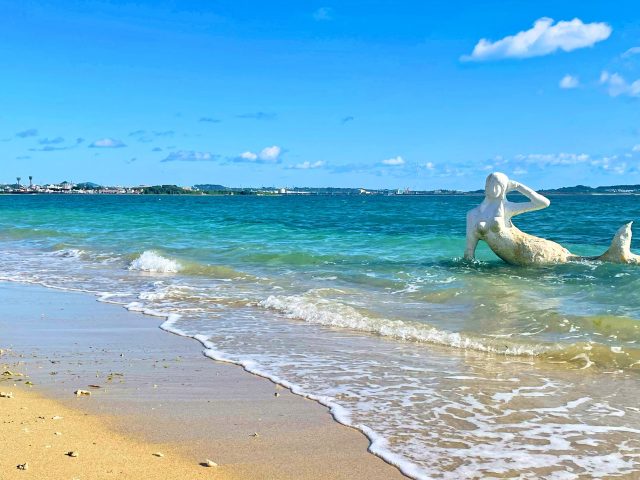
(158, 454)
(82, 393)
(6, 394)
(72, 454)
(23, 466)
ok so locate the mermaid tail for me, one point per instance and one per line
(620, 249)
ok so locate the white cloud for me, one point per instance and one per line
(394, 161)
(542, 39)
(429, 165)
(270, 154)
(631, 52)
(636, 148)
(308, 165)
(611, 164)
(617, 85)
(249, 156)
(323, 14)
(569, 81)
(107, 143)
(266, 155)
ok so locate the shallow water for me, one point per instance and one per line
(453, 369)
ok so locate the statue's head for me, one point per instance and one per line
(496, 185)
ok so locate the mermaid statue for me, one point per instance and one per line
(491, 221)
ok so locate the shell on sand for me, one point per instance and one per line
(209, 463)
(82, 393)
(6, 394)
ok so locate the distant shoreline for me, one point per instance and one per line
(310, 194)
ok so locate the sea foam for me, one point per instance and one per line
(153, 262)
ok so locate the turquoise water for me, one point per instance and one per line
(453, 369)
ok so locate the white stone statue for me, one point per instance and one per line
(491, 221)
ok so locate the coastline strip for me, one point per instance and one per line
(160, 388)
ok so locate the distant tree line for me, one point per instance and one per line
(167, 190)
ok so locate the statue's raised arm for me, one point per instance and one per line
(491, 222)
(536, 201)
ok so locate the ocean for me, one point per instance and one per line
(453, 369)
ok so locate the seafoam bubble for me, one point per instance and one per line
(153, 262)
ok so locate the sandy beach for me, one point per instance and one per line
(151, 392)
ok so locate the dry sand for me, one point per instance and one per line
(41, 433)
(157, 393)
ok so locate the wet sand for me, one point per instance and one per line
(155, 391)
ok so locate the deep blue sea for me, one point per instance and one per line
(453, 369)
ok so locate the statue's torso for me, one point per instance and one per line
(513, 245)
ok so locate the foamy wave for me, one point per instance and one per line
(151, 261)
(68, 253)
(333, 314)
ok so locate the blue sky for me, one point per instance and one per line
(378, 94)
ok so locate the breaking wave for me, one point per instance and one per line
(334, 314)
(151, 261)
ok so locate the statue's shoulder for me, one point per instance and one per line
(473, 212)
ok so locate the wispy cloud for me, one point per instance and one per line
(209, 120)
(51, 148)
(543, 38)
(51, 141)
(552, 159)
(618, 164)
(142, 136)
(107, 143)
(323, 14)
(23, 157)
(266, 155)
(394, 162)
(164, 133)
(308, 165)
(258, 116)
(156, 149)
(568, 82)
(190, 156)
(31, 132)
(347, 119)
(54, 145)
(631, 52)
(617, 85)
